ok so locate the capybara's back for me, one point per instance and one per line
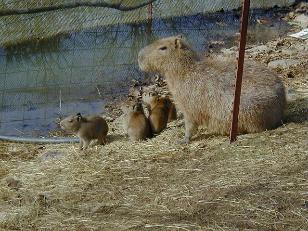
(95, 127)
(203, 89)
(262, 97)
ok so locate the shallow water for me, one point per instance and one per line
(42, 81)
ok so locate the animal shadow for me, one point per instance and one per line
(202, 136)
(297, 111)
(115, 137)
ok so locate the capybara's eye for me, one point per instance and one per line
(70, 121)
(163, 48)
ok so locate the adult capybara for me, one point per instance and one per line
(203, 89)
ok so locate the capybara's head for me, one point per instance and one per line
(161, 101)
(149, 95)
(165, 54)
(72, 123)
(137, 107)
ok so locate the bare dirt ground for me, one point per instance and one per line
(257, 183)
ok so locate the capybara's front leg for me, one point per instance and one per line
(190, 129)
(85, 144)
(80, 144)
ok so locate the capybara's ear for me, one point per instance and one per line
(79, 116)
(141, 91)
(179, 44)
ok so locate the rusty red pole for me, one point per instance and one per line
(240, 68)
(150, 17)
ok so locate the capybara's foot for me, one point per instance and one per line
(183, 141)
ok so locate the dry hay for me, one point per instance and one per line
(259, 183)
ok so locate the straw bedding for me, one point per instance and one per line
(258, 183)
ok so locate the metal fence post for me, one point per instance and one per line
(150, 18)
(239, 73)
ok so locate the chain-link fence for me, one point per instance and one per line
(68, 61)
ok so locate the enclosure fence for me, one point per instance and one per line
(77, 60)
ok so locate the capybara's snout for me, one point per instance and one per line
(141, 57)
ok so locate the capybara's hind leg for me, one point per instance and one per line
(101, 140)
(80, 144)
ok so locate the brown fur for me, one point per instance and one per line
(136, 124)
(203, 89)
(86, 128)
(148, 97)
(171, 109)
(158, 112)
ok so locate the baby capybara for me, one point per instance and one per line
(158, 112)
(86, 128)
(150, 96)
(136, 124)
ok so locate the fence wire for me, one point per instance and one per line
(58, 63)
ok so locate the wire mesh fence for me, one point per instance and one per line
(46, 24)
(54, 64)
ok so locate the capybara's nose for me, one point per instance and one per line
(61, 124)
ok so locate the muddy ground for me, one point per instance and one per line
(257, 183)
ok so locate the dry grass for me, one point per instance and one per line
(259, 183)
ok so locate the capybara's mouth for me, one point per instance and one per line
(66, 130)
(141, 60)
(62, 127)
(145, 67)
(141, 66)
